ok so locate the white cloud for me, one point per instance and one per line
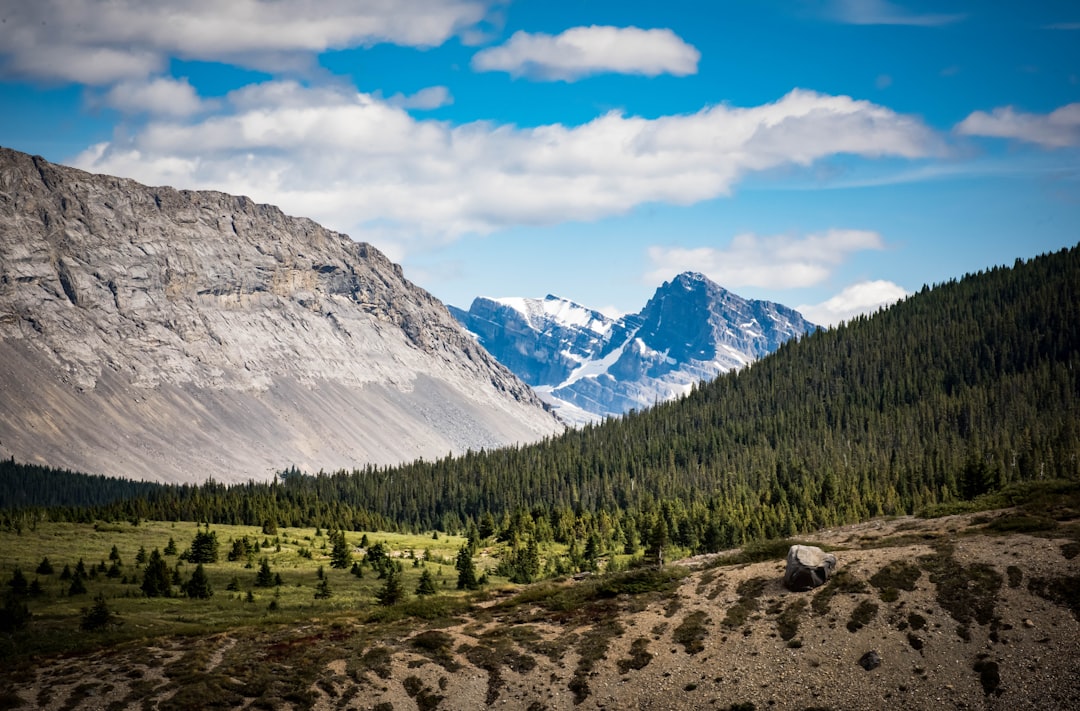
(361, 165)
(863, 298)
(162, 95)
(92, 42)
(582, 51)
(883, 12)
(777, 262)
(432, 97)
(1058, 129)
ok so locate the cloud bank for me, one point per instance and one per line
(360, 164)
(100, 43)
(1058, 129)
(778, 262)
(862, 298)
(583, 51)
(883, 12)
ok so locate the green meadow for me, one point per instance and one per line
(294, 554)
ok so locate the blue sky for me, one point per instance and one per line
(831, 155)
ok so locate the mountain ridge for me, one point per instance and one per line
(590, 366)
(206, 328)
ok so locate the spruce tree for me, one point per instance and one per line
(265, 577)
(157, 580)
(466, 570)
(199, 585)
(393, 589)
(98, 616)
(426, 586)
(45, 567)
(341, 555)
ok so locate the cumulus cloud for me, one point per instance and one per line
(97, 43)
(360, 164)
(432, 97)
(882, 12)
(863, 298)
(583, 51)
(162, 95)
(1058, 129)
(778, 262)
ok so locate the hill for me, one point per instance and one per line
(960, 615)
(172, 335)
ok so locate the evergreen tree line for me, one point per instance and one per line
(956, 391)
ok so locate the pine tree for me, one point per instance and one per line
(98, 616)
(45, 567)
(426, 586)
(265, 577)
(341, 555)
(157, 580)
(204, 549)
(322, 590)
(78, 584)
(140, 557)
(114, 554)
(466, 570)
(18, 583)
(170, 547)
(199, 585)
(393, 589)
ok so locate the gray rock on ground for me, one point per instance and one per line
(807, 567)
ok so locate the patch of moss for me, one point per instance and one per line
(426, 699)
(967, 592)
(1062, 591)
(1022, 523)
(591, 648)
(861, 616)
(639, 658)
(788, 621)
(842, 581)
(749, 591)
(436, 646)
(989, 676)
(897, 575)
(692, 631)
(378, 659)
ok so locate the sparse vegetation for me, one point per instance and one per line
(692, 631)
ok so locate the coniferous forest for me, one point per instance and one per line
(959, 390)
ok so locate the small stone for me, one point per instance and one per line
(870, 660)
(1028, 623)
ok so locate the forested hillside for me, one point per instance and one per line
(956, 391)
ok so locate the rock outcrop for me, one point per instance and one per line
(175, 335)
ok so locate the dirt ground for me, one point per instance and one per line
(961, 618)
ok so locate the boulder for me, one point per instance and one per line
(807, 567)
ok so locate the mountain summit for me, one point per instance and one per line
(591, 366)
(175, 335)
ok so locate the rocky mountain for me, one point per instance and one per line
(175, 335)
(590, 366)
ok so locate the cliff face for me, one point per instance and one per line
(175, 335)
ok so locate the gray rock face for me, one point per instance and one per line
(174, 335)
(807, 567)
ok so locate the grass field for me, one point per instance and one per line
(55, 625)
